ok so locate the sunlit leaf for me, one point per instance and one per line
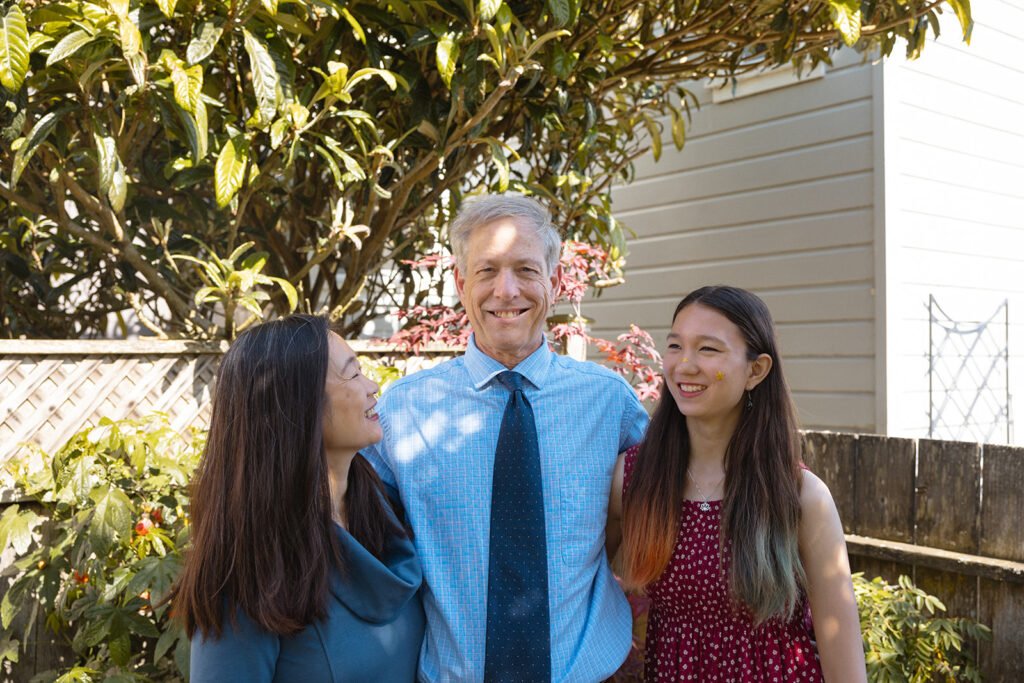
(230, 168)
(264, 76)
(962, 9)
(14, 49)
(486, 9)
(447, 53)
(356, 28)
(40, 131)
(846, 17)
(270, 6)
(204, 40)
(112, 517)
(167, 7)
(68, 45)
(16, 529)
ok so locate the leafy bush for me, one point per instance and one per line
(904, 639)
(104, 550)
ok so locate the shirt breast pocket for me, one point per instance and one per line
(583, 513)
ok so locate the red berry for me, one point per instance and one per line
(158, 516)
(143, 526)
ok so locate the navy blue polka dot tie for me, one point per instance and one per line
(518, 625)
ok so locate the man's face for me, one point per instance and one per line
(506, 290)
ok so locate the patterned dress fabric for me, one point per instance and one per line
(694, 632)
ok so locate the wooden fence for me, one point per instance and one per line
(948, 514)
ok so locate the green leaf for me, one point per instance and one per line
(678, 128)
(962, 9)
(155, 574)
(498, 155)
(230, 168)
(9, 650)
(559, 11)
(363, 74)
(188, 86)
(112, 517)
(120, 645)
(278, 130)
(197, 131)
(332, 164)
(356, 28)
(846, 17)
(14, 49)
(487, 9)
(167, 7)
(68, 45)
(119, 187)
(131, 39)
(447, 53)
(118, 7)
(167, 639)
(106, 151)
(654, 132)
(289, 292)
(16, 529)
(264, 76)
(204, 40)
(270, 6)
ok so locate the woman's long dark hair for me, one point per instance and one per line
(262, 536)
(761, 508)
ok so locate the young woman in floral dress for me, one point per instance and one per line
(738, 546)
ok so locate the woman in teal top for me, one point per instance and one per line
(301, 567)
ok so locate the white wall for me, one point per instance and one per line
(954, 217)
(774, 192)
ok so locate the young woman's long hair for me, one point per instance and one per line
(262, 536)
(761, 507)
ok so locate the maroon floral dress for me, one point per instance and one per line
(694, 633)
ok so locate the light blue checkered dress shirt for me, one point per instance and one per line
(440, 431)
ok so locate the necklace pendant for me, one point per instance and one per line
(705, 506)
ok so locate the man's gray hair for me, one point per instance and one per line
(527, 213)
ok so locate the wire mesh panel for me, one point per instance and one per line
(968, 377)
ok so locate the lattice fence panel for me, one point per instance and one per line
(46, 399)
(49, 390)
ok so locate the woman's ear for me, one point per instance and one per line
(759, 369)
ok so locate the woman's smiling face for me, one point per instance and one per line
(706, 365)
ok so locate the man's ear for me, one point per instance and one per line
(759, 369)
(460, 284)
(556, 278)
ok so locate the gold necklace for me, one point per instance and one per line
(704, 505)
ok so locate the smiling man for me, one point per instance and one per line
(504, 460)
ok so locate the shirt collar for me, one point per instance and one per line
(482, 368)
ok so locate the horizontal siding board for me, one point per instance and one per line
(831, 195)
(965, 169)
(808, 233)
(831, 374)
(813, 128)
(772, 170)
(802, 305)
(837, 412)
(851, 264)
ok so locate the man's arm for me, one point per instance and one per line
(613, 528)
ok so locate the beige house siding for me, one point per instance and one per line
(954, 224)
(774, 192)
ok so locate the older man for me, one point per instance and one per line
(504, 459)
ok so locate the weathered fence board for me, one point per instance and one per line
(1002, 504)
(884, 499)
(948, 494)
(833, 458)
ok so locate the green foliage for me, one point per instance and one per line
(336, 137)
(104, 551)
(906, 641)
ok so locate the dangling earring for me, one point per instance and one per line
(750, 401)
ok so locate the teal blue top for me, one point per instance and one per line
(372, 632)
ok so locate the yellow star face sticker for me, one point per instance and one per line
(720, 375)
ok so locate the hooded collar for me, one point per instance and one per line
(376, 590)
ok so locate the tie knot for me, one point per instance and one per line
(512, 381)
